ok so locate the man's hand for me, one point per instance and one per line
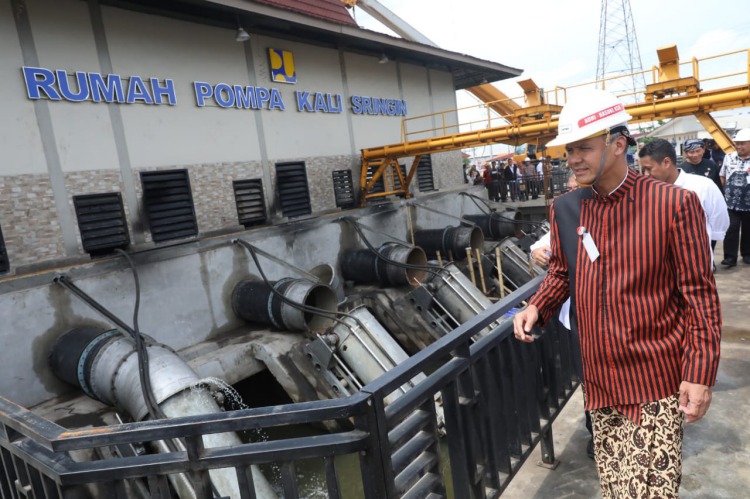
(694, 400)
(523, 321)
(541, 255)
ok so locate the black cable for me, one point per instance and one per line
(143, 366)
(140, 348)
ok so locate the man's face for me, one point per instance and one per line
(584, 158)
(659, 171)
(743, 148)
(695, 156)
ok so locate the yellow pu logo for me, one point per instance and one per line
(282, 66)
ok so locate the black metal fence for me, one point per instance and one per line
(498, 396)
(524, 187)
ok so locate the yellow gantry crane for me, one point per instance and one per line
(668, 96)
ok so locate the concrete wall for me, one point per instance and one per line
(53, 150)
(185, 290)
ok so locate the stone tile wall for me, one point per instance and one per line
(32, 230)
(29, 220)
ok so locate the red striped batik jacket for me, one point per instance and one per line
(647, 308)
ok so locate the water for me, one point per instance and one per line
(310, 473)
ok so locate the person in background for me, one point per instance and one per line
(633, 255)
(540, 253)
(473, 175)
(529, 178)
(696, 164)
(715, 152)
(735, 175)
(517, 173)
(658, 159)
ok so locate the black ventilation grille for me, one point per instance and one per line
(424, 174)
(4, 263)
(168, 201)
(294, 194)
(101, 220)
(251, 205)
(396, 181)
(379, 186)
(343, 188)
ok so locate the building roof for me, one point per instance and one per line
(689, 125)
(330, 10)
(323, 23)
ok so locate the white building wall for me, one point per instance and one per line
(366, 77)
(294, 134)
(20, 141)
(83, 131)
(103, 147)
(184, 134)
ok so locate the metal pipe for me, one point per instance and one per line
(448, 239)
(106, 367)
(454, 292)
(369, 350)
(255, 301)
(400, 265)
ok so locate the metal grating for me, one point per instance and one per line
(101, 220)
(168, 201)
(251, 204)
(343, 188)
(4, 262)
(424, 174)
(294, 193)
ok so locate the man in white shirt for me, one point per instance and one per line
(659, 160)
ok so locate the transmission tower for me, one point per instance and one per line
(618, 50)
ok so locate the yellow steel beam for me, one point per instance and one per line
(717, 133)
(495, 99)
(672, 107)
(669, 97)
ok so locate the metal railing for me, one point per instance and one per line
(499, 397)
(525, 187)
(726, 69)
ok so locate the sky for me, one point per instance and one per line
(556, 42)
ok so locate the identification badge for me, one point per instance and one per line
(588, 244)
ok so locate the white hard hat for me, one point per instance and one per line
(742, 135)
(526, 159)
(587, 114)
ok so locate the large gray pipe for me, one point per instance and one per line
(455, 293)
(255, 301)
(498, 225)
(518, 269)
(369, 350)
(364, 266)
(450, 241)
(105, 365)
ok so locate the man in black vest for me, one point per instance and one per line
(633, 255)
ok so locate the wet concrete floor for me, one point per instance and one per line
(716, 451)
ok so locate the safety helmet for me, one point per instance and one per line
(742, 135)
(587, 114)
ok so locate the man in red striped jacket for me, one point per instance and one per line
(633, 255)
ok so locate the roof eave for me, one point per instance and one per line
(467, 71)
